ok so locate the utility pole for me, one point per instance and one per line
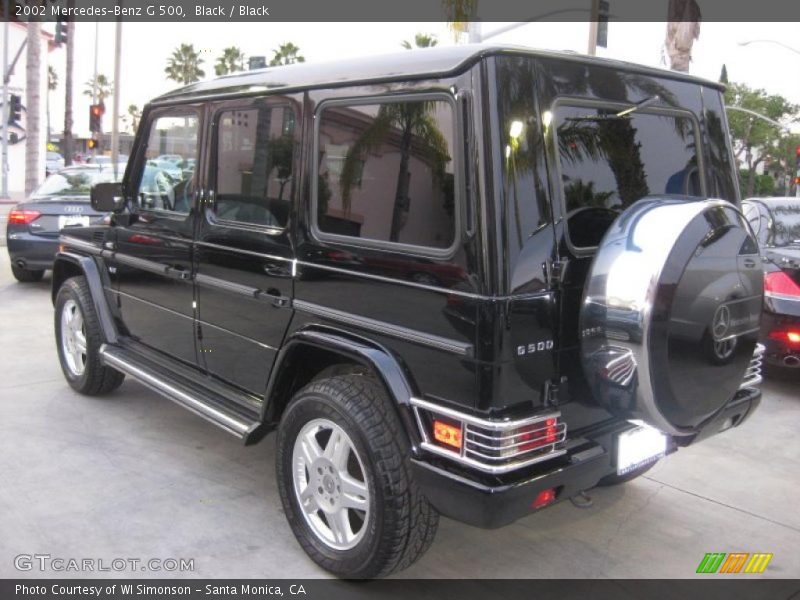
(115, 110)
(6, 77)
(593, 20)
(94, 80)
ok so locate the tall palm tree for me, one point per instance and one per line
(413, 121)
(184, 66)
(101, 86)
(231, 61)
(68, 149)
(286, 54)
(421, 40)
(683, 28)
(134, 116)
(32, 100)
(52, 84)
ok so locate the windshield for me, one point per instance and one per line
(785, 230)
(76, 182)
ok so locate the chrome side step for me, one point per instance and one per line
(190, 395)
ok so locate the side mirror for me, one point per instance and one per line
(107, 197)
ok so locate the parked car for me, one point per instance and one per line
(61, 202)
(53, 162)
(776, 223)
(103, 159)
(477, 346)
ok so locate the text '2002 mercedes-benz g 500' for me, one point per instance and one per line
(469, 281)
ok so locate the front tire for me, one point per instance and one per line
(27, 275)
(345, 481)
(78, 339)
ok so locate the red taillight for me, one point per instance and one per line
(542, 437)
(778, 283)
(791, 336)
(544, 498)
(23, 217)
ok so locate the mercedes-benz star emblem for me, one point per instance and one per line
(722, 322)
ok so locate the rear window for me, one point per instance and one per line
(785, 230)
(609, 161)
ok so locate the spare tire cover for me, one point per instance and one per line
(671, 310)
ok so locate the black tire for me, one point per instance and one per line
(402, 524)
(96, 379)
(27, 275)
(615, 479)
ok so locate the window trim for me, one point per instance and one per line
(210, 214)
(177, 110)
(552, 152)
(458, 174)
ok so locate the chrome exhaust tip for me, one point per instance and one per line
(791, 361)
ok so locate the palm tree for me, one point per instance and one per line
(683, 29)
(134, 116)
(68, 92)
(99, 87)
(32, 99)
(413, 121)
(286, 54)
(421, 40)
(231, 61)
(52, 84)
(184, 65)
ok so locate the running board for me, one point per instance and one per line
(236, 420)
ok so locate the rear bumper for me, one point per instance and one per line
(491, 502)
(31, 251)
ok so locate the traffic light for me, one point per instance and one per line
(61, 31)
(602, 23)
(14, 109)
(96, 118)
(91, 144)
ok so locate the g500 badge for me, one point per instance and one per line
(535, 347)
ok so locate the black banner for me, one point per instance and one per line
(416, 589)
(391, 10)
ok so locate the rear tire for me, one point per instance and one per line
(78, 339)
(388, 523)
(27, 275)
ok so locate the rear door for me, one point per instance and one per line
(244, 256)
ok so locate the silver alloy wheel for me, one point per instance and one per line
(73, 338)
(330, 484)
(724, 348)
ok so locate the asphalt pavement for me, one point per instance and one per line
(133, 476)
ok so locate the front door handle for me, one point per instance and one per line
(274, 296)
(178, 272)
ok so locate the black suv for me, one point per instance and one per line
(467, 281)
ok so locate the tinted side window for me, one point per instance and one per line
(386, 172)
(609, 162)
(255, 149)
(167, 182)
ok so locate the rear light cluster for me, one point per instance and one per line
(788, 336)
(492, 446)
(23, 217)
(778, 284)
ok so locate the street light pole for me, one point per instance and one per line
(115, 111)
(4, 164)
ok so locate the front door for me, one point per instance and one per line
(153, 254)
(243, 255)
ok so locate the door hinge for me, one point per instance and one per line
(555, 272)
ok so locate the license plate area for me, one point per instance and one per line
(639, 447)
(72, 221)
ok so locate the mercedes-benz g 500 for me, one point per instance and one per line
(468, 281)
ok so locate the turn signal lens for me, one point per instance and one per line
(544, 498)
(23, 217)
(779, 283)
(447, 434)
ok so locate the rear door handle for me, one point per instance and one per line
(274, 296)
(178, 272)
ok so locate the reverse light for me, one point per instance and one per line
(544, 498)
(23, 217)
(447, 433)
(778, 283)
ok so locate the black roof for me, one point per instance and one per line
(420, 63)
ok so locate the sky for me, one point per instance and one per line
(146, 46)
